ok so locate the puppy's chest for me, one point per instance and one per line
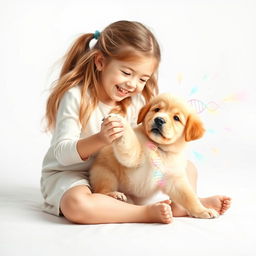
(150, 176)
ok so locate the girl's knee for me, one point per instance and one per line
(76, 207)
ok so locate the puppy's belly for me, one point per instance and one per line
(139, 182)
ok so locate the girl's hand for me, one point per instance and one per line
(111, 129)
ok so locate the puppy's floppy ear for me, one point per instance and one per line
(194, 128)
(143, 111)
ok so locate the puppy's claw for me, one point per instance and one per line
(208, 213)
(117, 195)
(213, 213)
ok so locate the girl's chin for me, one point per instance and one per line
(119, 97)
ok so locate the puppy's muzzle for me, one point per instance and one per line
(157, 126)
(159, 122)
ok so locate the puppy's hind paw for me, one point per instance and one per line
(208, 213)
(117, 195)
(213, 213)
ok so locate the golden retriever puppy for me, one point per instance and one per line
(150, 158)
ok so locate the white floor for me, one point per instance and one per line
(26, 230)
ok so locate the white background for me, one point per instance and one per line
(208, 54)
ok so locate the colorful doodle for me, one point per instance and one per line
(211, 131)
(199, 106)
(194, 90)
(240, 96)
(180, 78)
(215, 150)
(212, 106)
(198, 156)
(158, 175)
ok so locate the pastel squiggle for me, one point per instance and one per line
(158, 175)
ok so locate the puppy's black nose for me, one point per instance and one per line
(159, 121)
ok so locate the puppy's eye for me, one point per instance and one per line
(176, 118)
(156, 109)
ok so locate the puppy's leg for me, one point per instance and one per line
(181, 192)
(105, 182)
(127, 149)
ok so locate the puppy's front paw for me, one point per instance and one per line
(120, 117)
(207, 213)
(117, 195)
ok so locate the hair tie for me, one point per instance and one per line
(96, 35)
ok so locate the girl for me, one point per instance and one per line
(119, 71)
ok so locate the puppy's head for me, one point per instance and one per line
(166, 119)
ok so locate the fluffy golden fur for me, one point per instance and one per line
(151, 158)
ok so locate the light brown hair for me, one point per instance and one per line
(79, 66)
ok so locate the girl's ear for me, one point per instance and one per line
(99, 61)
(194, 128)
(144, 110)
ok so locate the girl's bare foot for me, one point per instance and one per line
(160, 212)
(219, 203)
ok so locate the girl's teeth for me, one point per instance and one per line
(122, 90)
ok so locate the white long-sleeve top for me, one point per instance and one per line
(62, 154)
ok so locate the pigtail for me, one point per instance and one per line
(76, 61)
(76, 52)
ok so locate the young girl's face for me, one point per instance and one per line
(122, 79)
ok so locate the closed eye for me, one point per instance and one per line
(125, 73)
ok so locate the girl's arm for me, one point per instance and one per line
(89, 146)
(68, 148)
(111, 129)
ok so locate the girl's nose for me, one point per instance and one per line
(131, 83)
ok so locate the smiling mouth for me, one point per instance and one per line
(122, 90)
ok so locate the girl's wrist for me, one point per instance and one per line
(100, 140)
(90, 146)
